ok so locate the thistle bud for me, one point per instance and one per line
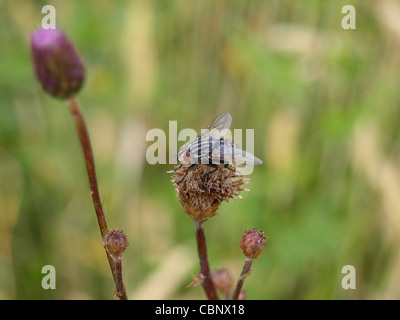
(253, 243)
(115, 242)
(223, 281)
(57, 65)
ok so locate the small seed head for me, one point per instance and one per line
(253, 243)
(115, 242)
(223, 281)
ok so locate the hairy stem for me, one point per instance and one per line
(101, 219)
(207, 283)
(245, 272)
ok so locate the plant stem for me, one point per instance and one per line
(88, 154)
(117, 273)
(101, 219)
(207, 283)
(245, 272)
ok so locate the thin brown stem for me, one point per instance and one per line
(117, 273)
(101, 219)
(245, 272)
(207, 283)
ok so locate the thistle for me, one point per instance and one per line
(207, 176)
(61, 73)
(57, 64)
(115, 242)
(202, 203)
(200, 200)
(252, 244)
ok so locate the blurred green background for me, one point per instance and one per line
(324, 103)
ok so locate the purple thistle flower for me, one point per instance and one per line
(58, 66)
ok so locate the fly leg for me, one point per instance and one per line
(208, 173)
(190, 168)
(226, 165)
(180, 166)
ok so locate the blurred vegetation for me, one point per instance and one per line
(324, 103)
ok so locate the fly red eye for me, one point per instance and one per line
(187, 154)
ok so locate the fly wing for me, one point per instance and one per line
(218, 127)
(225, 151)
(247, 158)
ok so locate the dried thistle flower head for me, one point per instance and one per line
(202, 203)
(223, 281)
(115, 242)
(58, 66)
(253, 243)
